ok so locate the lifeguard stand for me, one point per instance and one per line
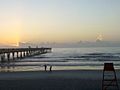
(109, 81)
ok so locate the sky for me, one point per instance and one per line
(59, 20)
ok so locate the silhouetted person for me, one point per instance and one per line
(50, 68)
(36, 46)
(45, 67)
(29, 46)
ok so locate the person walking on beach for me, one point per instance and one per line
(50, 68)
(45, 67)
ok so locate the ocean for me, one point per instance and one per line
(84, 58)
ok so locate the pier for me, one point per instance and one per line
(10, 54)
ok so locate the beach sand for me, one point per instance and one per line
(55, 80)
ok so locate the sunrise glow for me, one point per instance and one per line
(39, 21)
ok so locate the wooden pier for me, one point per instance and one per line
(10, 54)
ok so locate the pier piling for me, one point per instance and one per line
(10, 54)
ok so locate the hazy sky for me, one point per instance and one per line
(59, 20)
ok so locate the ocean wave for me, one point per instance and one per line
(57, 64)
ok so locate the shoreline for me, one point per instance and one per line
(54, 68)
(92, 74)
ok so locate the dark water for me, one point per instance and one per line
(72, 58)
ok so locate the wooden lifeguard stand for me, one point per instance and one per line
(109, 81)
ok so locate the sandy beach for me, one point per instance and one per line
(55, 80)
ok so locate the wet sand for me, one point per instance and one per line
(55, 80)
